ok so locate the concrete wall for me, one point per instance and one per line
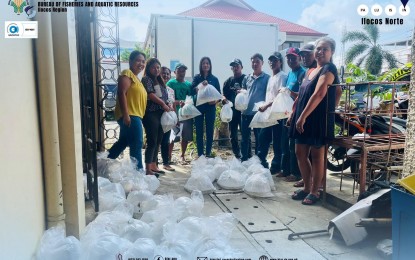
(22, 214)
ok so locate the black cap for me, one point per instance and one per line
(276, 55)
(236, 62)
(307, 48)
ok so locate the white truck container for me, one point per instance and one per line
(174, 39)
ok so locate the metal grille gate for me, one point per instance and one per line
(99, 66)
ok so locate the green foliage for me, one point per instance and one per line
(125, 54)
(367, 51)
(218, 121)
(396, 74)
(357, 74)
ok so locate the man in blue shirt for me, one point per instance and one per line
(294, 80)
(256, 85)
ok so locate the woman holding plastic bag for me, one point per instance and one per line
(208, 110)
(157, 104)
(309, 124)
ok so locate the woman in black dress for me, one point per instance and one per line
(309, 125)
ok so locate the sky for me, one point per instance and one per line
(327, 16)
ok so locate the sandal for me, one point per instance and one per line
(280, 174)
(299, 195)
(292, 178)
(158, 171)
(152, 173)
(168, 167)
(311, 199)
(299, 184)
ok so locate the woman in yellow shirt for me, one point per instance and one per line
(129, 110)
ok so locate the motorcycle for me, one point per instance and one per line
(338, 157)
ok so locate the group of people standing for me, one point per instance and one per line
(299, 141)
(295, 140)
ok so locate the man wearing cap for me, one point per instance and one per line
(294, 80)
(307, 56)
(272, 133)
(256, 85)
(230, 90)
(182, 88)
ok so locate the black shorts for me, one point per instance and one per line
(187, 132)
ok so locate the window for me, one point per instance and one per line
(287, 45)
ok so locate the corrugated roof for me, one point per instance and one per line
(226, 11)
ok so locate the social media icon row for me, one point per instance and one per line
(376, 10)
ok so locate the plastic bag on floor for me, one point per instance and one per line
(255, 168)
(257, 185)
(207, 93)
(137, 197)
(189, 110)
(168, 121)
(143, 248)
(199, 181)
(105, 247)
(110, 196)
(253, 160)
(186, 207)
(55, 245)
(232, 180)
(219, 168)
(262, 120)
(135, 229)
(282, 106)
(152, 182)
(241, 100)
(236, 165)
(226, 113)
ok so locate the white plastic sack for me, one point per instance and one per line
(241, 100)
(168, 121)
(226, 113)
(199, 181)
(257, 185)
(232, 180)
(207, 93)
(262, 120)
(282, 106)
(189, 110)
(54, 245)
(253, 160)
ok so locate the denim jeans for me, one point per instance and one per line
(129, 136)
(266, 135)
(164, 148)
(206, 118)
(154, 134)
(246, 146)
(233, 127)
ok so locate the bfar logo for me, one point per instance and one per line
(13, 29)
(263, 257)
(20, 6)
(20, 29)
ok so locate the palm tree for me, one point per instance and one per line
(409, 157)
(366, 49)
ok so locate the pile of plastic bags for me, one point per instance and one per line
(231, 174)
(135, 223)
